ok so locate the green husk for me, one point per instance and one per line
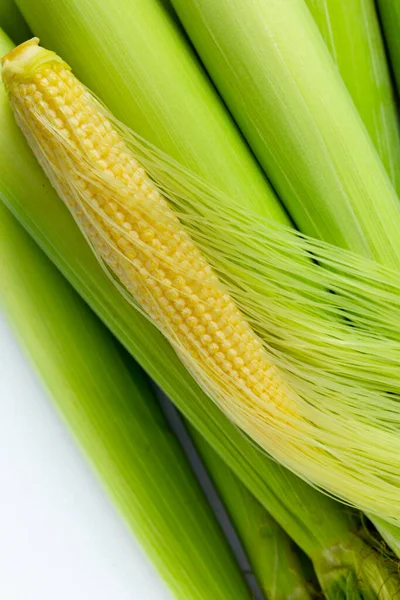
(182, 114)
(330, 542)
(389, 12)
(271, 66)
(273, 557)
(12, 22)
(109, 407)
(352, 33)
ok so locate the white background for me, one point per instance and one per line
(60, 538)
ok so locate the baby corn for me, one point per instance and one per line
(137, 234)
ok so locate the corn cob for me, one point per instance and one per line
(50, 224)
(12, 22)
(273, 70)
(107, 402)
(352, 34)
(140, 238)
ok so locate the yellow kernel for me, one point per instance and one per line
(252, 381)
(148, 235)
(180, 304)
(172, 295)
(180, 282)
(94, 154)
(228, 331)
(212, 328)
(206, 339)
(192, 322)
(131, 254)
(170, 310)
(241, 347)
(158, 292)
(177, 318)
(103, 165)
(238, 362)
(52, 91)
(226, 366)
(122, 242)
(220, 357)
(200, 330)
(220, 336)
(225, 345)
(117, 169)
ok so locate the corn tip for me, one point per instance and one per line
(25, 59)
(19, 50)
